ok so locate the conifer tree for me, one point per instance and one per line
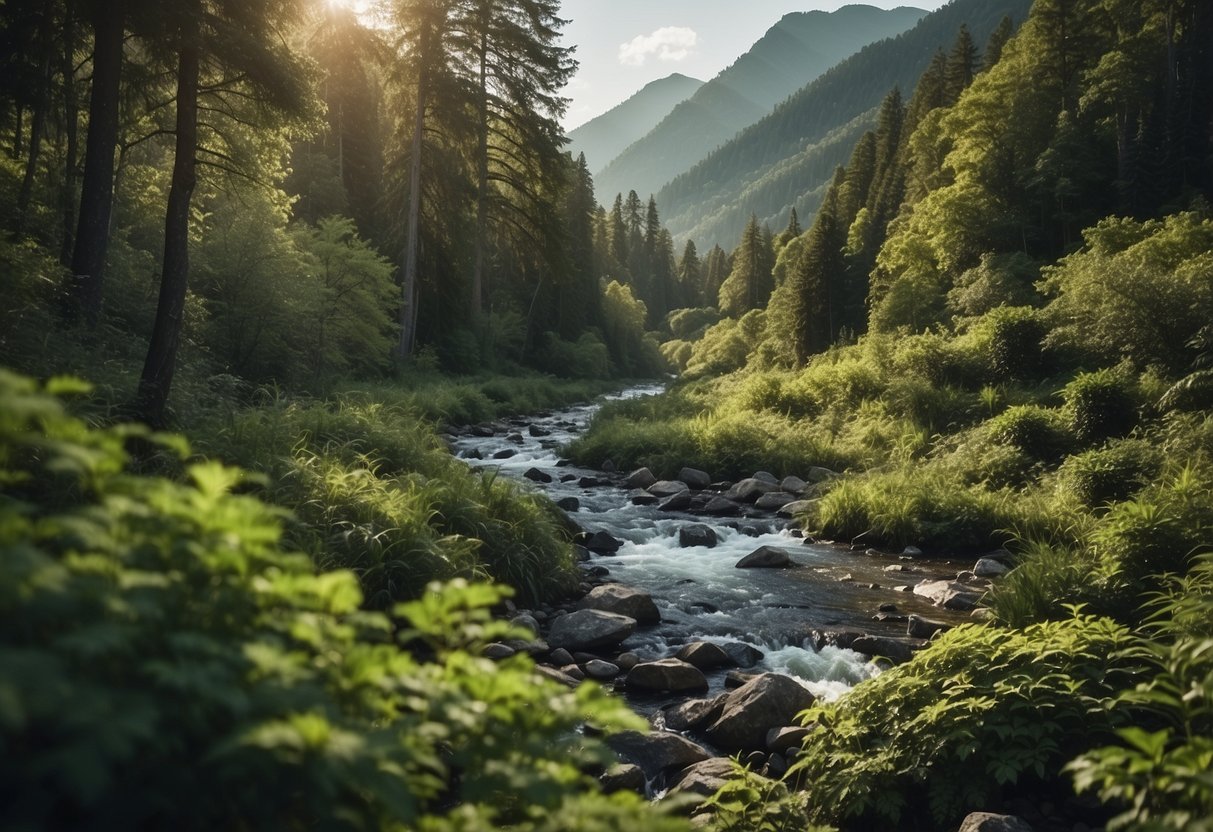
(998, 40)
(963, 63)
(690, 276)
(790, 233)
(749, 284)
(716, 269)
(814, 294)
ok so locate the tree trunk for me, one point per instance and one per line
(96, 196)
(71, 124)
(408, 288)
(18, 133)
(157, 378)
(482, 180)
(38, 122)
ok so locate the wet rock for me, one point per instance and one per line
(627, 661)
(482, 430)
(896, 650)
(705, 655)
(536, 431)
(919, 627)
(774, 501)
(898, 567)
(597, 571)
(776, 767)
(781, 739)
(474, 453)
(535, 475)
(667, 488)
(600, 542)
(736, 678)
(607, 466)
(988, 822)
(667, 675)
(527, 622)
(568, 477)
(640, 478)
(766, 557)
(705, 779)
(887, 608)
(697, 534)
(498, 651)
(818, 474)
(721, 506)
(949, 595)
(557, 675)
(516, 438)
(580, 553)
(765, 702)
(561, 657)
(586, 629)
(571, 504)
(590, 482)
(644, 498)
(700, 607)
(695, 478)
(911, 552)
(795, 508)
(693, 713)
(656, 751)
(679, 502)
(601, 670)
(793, 485)
(766, 476)
(990, 568)
(623, 777)
(574, 672)
(743, 655)
(505, 453)
(622, 600)
(749, 490)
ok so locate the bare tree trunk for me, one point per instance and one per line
(96, 196)
(71, 123)
(157, 378)
(38, 123)
(408, 288)
(482, 181)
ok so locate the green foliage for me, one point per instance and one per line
(588, 357)
(634, 351)
(1016, 334)
(164, 661)
(1110, 474)
(982, 713)
(1101, 405)
(1039, 432)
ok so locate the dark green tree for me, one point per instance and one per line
(749, 284)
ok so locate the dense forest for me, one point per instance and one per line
(261, 259)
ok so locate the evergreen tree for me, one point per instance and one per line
(690, 277)
(577, 308)
(749, 284)
(963, 63)
(716, 270)
(814, 293)
(998, 40)
(618, 242)
(790, 233)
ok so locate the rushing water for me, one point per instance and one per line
(700, 593)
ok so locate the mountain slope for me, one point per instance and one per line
(757, 172)
(793, 52)
(603, 138)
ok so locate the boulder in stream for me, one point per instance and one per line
(536, 431)
(640, 478)
(623, 777)
(678, 502)
(705, 655)
(919, 627)
(505, 453)
(600, 542)
(569, 504)
(767, 701)
(667, 488)
(793, 485)
(774, 500)
(766, 557)
(721, 506)
(623, 600)
(990, 568)
(695, 478)
(697, 534)
(535, 475)
(794, 508)
(670, 675)
(693, 713)
(749, 490)
(587, 629)
(949, 595)
(743, 655)
(656, 751)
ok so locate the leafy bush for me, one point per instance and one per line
(981, 713)
(1016, 335)
(165, 663)
(1101, 405)
(588, 357)
(1107, 475)
(1038, 431)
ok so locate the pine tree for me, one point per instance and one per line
(690, 277)
(790, 233)
(814, 293)
(716, 269)
(963, 63)
(749, 284)
(998, 40)
(618, 267)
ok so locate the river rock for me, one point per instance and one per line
(705, 779)
(793, 485)
(601, 542)
(571, 504)
(765, 702)
(640, 478)
(678, 502)
(896, 650)
(987, 822)
(670, 675)
(911, 552)
(795, 508)
(656, 751)
(535, 475)
(526, 621)
(721, 506)
(505, 453)
(919, 627)
(497, 651)
(743, 655)
(781, 739)
(705, 655)
(949, 595)
(766, 476)
(774, 500)
(695, 478)
(601, 670)
(667, 488)
(766, 557)
(644, 498)
(608, 466)
(557, 675)
(734, 679)
(990, 568)
(749, 490)
(561, 657)
(622, 600)
(516, 438)
(590, 482)
(627, 661)
(536, 431)
(473, 453)
(693, 713)
(818, 474)
(697, 534)
(623, 777)
(587, 629)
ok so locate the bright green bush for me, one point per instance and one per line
(1109, 474)
(1016, 336)
(1040, 432)
(1101, 405)
(983, 713)
(165, 663)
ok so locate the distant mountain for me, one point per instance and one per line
(603, 138)
(788, 157)
(792, 53)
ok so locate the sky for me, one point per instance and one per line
(624, 44)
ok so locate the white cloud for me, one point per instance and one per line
(669, 43)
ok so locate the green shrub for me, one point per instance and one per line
(1016, 337)
(1101, 405)
(1046, 584)
(459, 351)
(165, 663)
(588, 357)
(982, 714)
(1111, 474)
(1037, 431)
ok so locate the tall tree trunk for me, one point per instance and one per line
(18, 133)
(157, 378)
(38, 122)
(482, 178)
(408, 288)
(96, 196)
(72, 126)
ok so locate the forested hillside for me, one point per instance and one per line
(603, 138)
(796, 50)
(787, 158)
